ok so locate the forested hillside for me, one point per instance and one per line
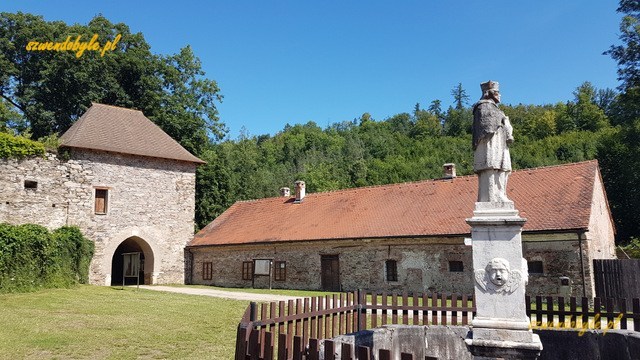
(39, 99)
(405, 147)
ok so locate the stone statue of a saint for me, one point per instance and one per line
(492, 134)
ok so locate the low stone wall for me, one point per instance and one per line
(437, 342)
(591, 344)
(447, 342)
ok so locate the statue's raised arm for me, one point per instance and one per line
(492, 134)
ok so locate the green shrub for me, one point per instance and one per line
(632, 248)
(17, 147)
(32, 257)
(76, 252)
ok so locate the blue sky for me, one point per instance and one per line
(280, 62)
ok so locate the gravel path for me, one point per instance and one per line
(219, 293)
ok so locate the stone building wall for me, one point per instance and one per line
(150, 200)
(362, 266)
(560, 257)
(47, 199)
(422, 264)
(601, 230)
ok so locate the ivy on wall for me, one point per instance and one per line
(32, 257)
(18, 147)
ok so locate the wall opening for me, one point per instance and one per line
(30, 185)
(130, 245)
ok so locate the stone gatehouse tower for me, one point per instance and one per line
(124, 182)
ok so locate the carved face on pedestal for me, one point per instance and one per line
(498, 270)
(498, 277)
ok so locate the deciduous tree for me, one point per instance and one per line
(50, 90)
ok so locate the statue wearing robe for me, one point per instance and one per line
(492, 134)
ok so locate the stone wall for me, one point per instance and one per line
(560, 257)
(48, 203)
(447, 342)
(150, 200)
(601, 230)
(362, 264)
(422, 264)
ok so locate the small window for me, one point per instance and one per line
(102, 199)
(456, 266)
(280, 271)
(207, 270)
(247, 270)
(391, 267)
(30, 185)
(535, 267)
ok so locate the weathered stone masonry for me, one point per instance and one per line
(422, 264)
(150, 200)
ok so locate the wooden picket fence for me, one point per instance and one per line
(583, 313)
(294, 329)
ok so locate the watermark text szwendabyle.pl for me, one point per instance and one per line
(78, 45)
(594, 324)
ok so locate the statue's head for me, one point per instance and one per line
(491, 90)
(498, 271)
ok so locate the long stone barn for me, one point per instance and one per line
(124, 182)
(408, 236)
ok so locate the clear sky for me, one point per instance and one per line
(280, 62)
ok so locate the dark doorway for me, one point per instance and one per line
(128, 246)
(330, 272)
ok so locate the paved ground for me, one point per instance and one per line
(219, 293)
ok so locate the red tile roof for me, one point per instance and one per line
(555, 198)
(127, 131)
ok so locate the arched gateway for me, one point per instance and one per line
(130, 251)
(132, 240)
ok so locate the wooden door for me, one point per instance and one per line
(330, 272)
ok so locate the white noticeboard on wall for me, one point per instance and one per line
(262, 267)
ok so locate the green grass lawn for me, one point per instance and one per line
(297, 293)
(92, 322)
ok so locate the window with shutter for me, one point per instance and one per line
(280, 271)
(102, 198)
(247, 270)
(207, 270)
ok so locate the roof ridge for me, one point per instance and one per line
(559, 165)
(328, 192)
(116, 106)
(260, 199)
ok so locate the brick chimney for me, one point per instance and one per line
(449, 170)
(285, 192)
(300, 187)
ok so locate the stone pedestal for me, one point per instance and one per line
(501, 327)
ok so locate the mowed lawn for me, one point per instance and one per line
(94, 322)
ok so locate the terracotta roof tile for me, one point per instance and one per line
(552, 198)
(127, 131)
